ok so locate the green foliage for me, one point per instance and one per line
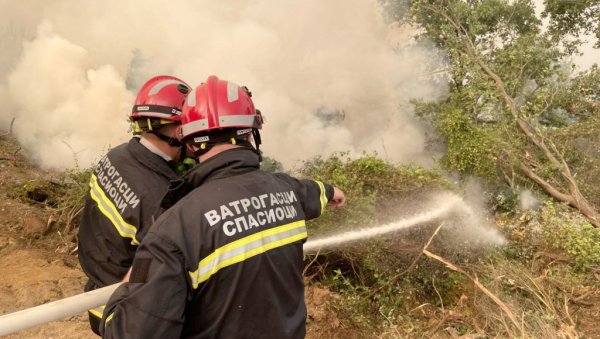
(366, 274)
(505, 73)
(376, 291)
(573, 18)
(38, 191)
(555, 228)
(579, 141)
(74, 198)
(470, 149)
(66, 195)
(185, 165)
(572, 235)
(481, 137)
(490, 23)
(271, 165)
(366, 308)
(370, 185)
(504, 199)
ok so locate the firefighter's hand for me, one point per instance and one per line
(339, 199)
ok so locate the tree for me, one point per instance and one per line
(510, 96)
(573, 18)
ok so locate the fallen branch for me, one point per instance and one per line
(483, 289)
(320, 268)
(439, 324)
(566, 303)
(412, 265)
(311, 262)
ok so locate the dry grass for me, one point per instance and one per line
(507, 311)
(515, 302)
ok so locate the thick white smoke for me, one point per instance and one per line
(68, 110)
(72, 69)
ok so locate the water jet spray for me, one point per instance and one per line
(448, 204)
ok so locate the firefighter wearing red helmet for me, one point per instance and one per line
(226, 260)
(127, 185)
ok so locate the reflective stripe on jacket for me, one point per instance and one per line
(225, 261)
(126, 188)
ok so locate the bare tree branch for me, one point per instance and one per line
(555, 193)
(483, 289)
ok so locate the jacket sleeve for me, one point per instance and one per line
(152, 304)
(313, 195)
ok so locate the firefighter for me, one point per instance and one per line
(127, 185)
(226, 260)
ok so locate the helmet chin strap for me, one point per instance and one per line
(172, 141)
(257, 142)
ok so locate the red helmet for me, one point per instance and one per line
(218, 105)
(159, 101)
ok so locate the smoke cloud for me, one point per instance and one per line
(326, 75)
(528, 201)
(474, 225)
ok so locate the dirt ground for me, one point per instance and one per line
(38, 263)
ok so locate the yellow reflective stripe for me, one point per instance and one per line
(243, 241)
(108, 319)
(247, 255)
(110, 211)
(246, 248)
(323, 196)
(98, 311)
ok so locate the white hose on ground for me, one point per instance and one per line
(56, 310)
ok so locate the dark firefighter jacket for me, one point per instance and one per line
(225, 261)
(126, 188)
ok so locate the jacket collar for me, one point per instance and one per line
(154, 149)
(151, 160)
(228, 163)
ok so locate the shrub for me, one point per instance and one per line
(556, 227)
(367, 273)
(66, 195)
(572, 234)
(371, 186)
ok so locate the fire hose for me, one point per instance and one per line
(60, 309)
(55, 310)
